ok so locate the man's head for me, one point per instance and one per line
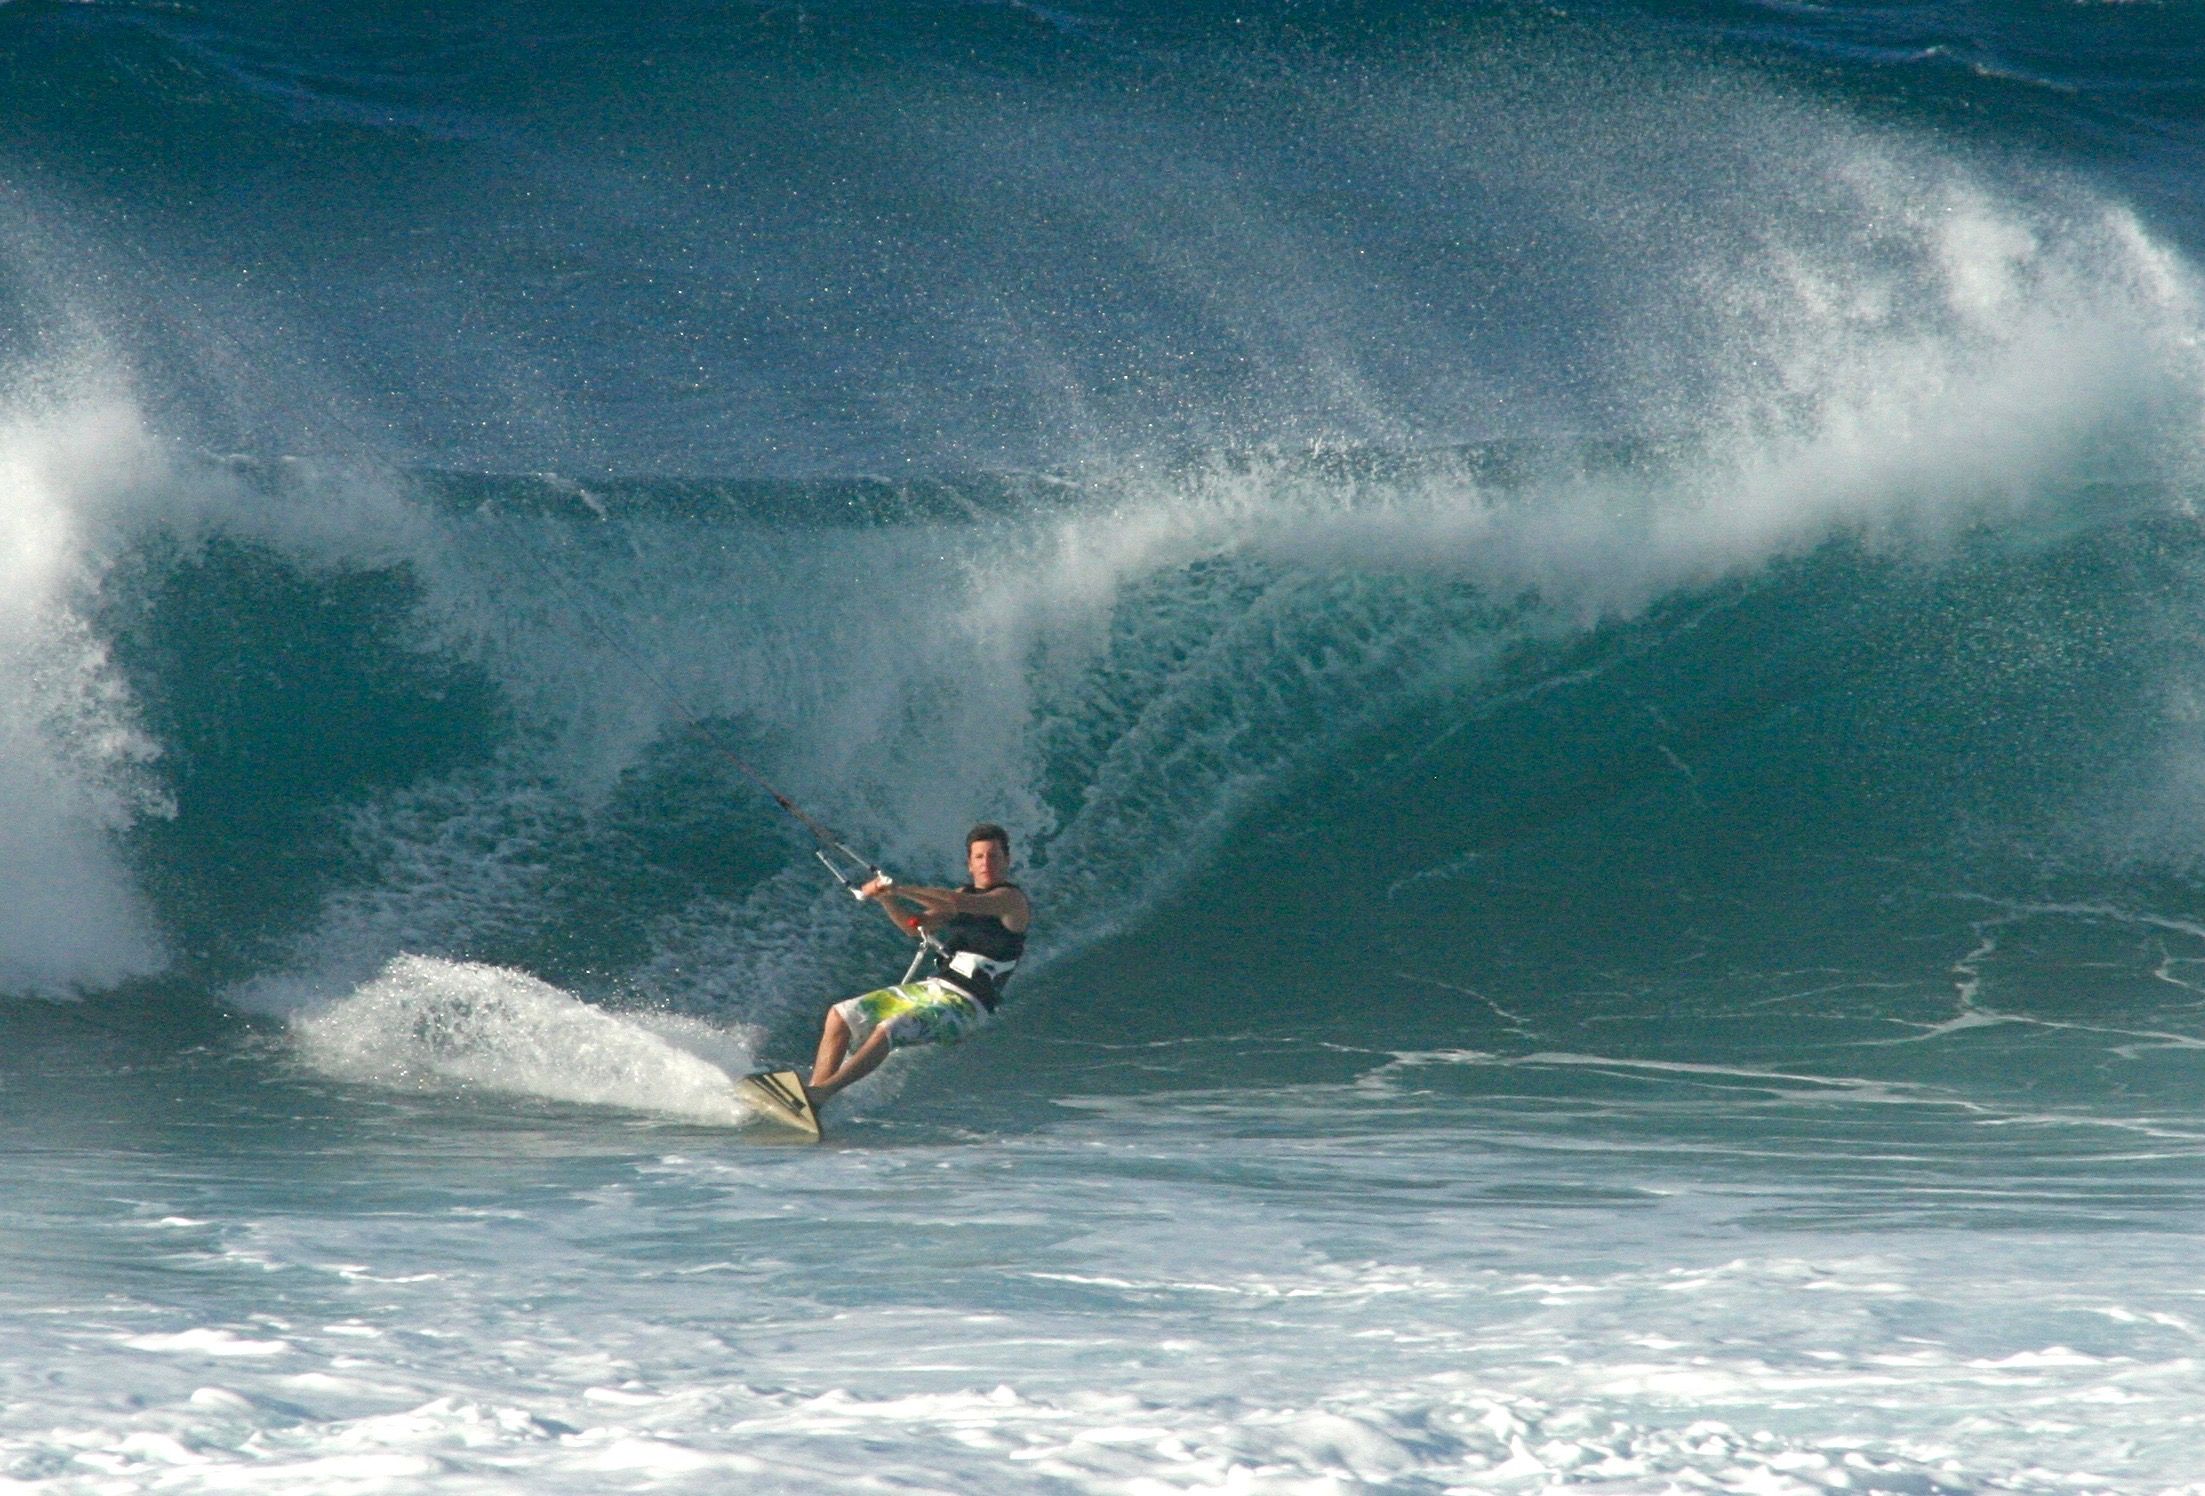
(987, 854)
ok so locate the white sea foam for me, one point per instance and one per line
(2004, 361)
(432, 1024)
(72, 758)
(919, 1316)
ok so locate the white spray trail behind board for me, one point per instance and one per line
(427, 1024)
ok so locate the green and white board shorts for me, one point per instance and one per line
(929, 1011)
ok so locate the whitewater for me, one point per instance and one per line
(1584, 619)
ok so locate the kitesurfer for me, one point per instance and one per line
(980, 931)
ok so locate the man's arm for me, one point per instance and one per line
(882, 890)
(937, 904)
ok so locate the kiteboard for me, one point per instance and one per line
(779, 1096)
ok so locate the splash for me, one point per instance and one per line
(74, 765)
(433, 1025)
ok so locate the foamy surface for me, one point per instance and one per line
(462, 1284)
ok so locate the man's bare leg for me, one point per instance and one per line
(834, 1042)
(856, 1067)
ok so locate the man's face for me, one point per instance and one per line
(987, 862)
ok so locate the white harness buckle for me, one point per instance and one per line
(972, 964)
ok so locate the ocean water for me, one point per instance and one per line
(1586, 618)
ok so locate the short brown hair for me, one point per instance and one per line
(989, 831)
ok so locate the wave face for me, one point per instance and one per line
(1474, 529)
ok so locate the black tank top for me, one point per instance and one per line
(984, 936)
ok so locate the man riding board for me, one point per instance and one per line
(981, 932)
